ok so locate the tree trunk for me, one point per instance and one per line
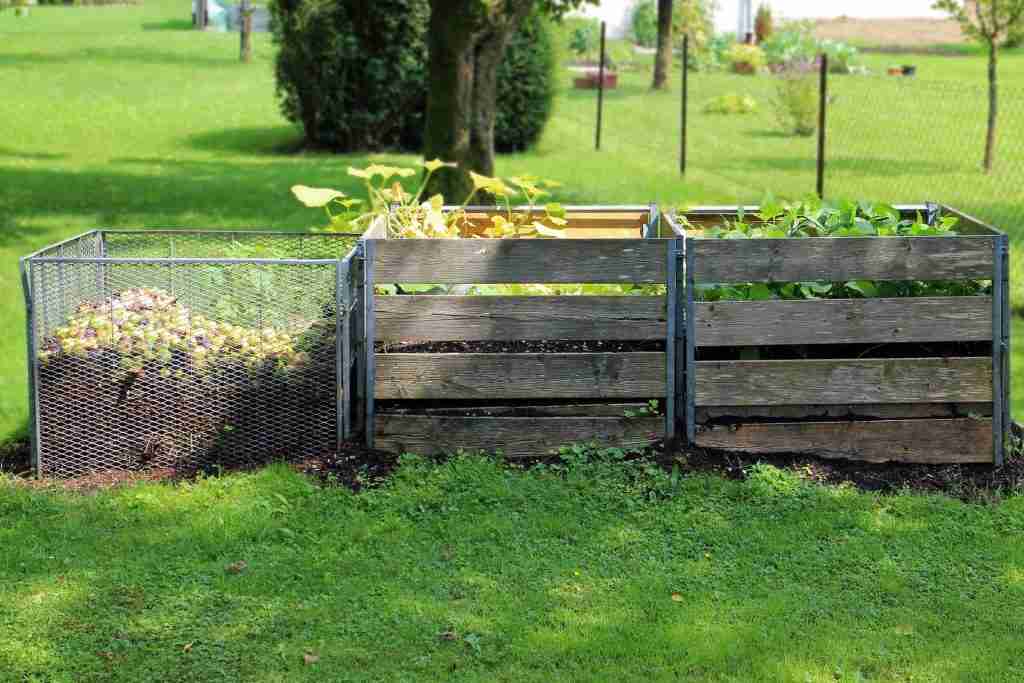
(993, 106)
(466, 46)
(245, 16)
(663, 56)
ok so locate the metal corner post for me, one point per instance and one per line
(342, 351)
(1000, 348)
(25, 266)
(691, 363)
(671, 305)
(369, 334)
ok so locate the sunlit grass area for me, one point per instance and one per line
(473, 571)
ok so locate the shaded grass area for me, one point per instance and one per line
(126, 118)
(469, 570)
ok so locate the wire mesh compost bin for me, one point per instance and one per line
(185, 349)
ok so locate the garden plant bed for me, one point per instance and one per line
(185, 350)
(182, 350)
(912, 379)
(582, 358)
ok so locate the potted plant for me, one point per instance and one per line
(745, 59)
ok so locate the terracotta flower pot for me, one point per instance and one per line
(590, 81)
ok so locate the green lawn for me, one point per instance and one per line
(471, 571)
(122, 117)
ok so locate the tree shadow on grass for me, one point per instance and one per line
(168, 25)
(262, 140)
(30, 156)
(118, 57)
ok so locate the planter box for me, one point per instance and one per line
(524, 403)
(592, 81)
(101, 401)
(905, 379)
(318, 353)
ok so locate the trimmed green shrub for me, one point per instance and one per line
(353, 74)
(526, 86)
(730, 104)
(796, 104)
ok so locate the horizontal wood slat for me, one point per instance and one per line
(519, 375)
(473, 318)
(531, 410)
(843, 321)
(842, 258)
(582, 220)
(516, 437)
(913, 441)
(887, 380)
(890, 411)
(488, 261)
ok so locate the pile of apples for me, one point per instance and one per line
(146, 325)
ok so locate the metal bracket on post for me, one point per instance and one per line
(691, 364)
(369, 334)
(342, 352)
(25, 266)
(671, 305)
(932, 211)
(1000, 348)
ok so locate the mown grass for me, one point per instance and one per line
(472, 571)
(122, 117)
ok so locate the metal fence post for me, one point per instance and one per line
(600, 90)
(685, 103)
(822, 106)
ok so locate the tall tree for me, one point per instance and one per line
(663, 55)
(466, 43)
(989, 22)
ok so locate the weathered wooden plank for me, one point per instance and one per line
(472, 318)
(891, 411)
(870, 380)
(628, 221)
(532, 410)
(488, 261)
(844, 321)
(960, 440)
(519, 375)
(845, 258)
(515, 437)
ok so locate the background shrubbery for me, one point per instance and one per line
(354, 74)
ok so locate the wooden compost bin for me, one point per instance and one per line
(847, 399)
(521, 403)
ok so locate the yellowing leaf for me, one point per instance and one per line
(359, 173)
(437, 164)
(677, 597)
(545, 231)
(436, 202)
(315, 197)
(480, 182)
(557, 221)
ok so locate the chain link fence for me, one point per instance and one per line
(185, 350)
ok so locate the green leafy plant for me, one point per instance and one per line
(796, 104)
(583, 40)
(764, 23)
(409, 215)
(731, 103)
(745, 59)
(649, 409)
(813, 218)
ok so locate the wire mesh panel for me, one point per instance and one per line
(183, 363)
